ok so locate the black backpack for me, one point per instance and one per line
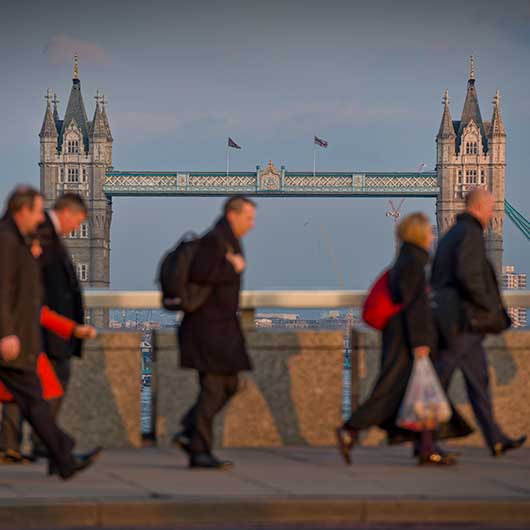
(178, 293)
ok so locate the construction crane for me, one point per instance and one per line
(395, 211)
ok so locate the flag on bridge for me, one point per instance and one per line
(320, 142)
(231, 143)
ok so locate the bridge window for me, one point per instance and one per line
(82, 272)
(84, 179)
(73, 174)
(80, 233)
(73, 146)
(471, 176)
(482, 177)
(471, 148)
(459, 176)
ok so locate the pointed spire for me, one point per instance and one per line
(75, 110)
(471, 110)
(105, 117)
(55, 107)
(76, 67)
(48, 129)
(98, 123)
(497, 126)
(446, 130)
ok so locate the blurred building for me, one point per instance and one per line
(511, 279)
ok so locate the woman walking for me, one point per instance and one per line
(408, 334)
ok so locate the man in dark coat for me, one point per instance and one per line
(62, 294)
(21, 297)
(210, 339)
(468, 305)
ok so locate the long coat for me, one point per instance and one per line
(62, 292)
(466, 292)
(210, 338)
(411, 327)
(20, 295)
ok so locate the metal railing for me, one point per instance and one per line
(116, 299)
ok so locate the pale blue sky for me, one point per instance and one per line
(182, 76)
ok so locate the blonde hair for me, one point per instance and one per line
(414, 229)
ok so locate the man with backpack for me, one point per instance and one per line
(210, 336)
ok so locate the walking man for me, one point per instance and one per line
(210, 339)
(62, 294)
(468, 305)
(21, 297)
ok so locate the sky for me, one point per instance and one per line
(180, 77)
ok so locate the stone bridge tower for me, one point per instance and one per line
(470, 153)
(74, 156)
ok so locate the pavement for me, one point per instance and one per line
(153, 487)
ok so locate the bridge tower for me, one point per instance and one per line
(74, 156)
(470, 153)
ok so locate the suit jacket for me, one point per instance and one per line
(20, 295)
(466, 291)
(210, 338)
(62, 292)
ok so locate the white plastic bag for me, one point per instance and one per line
(425, 404)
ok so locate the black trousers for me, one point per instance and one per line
(468, 354)
(215, 392)
(27, 391)
(12, 419)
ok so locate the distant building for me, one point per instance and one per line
(515, 280)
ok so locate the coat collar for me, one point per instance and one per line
(415, 250)
(466, 217)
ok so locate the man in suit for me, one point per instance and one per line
(62, 294)
(21, 299)
(467, 305)
(210, 339)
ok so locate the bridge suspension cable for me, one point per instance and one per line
(518, 219)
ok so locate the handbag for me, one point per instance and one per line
(378, 307)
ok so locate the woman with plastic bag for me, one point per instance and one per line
(408, 334)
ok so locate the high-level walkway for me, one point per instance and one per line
(154, 487)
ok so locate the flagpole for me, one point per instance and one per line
(314, 157)
(227, 158)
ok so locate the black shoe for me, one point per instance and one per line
(346, 440)
(79, 463)
(436, 459)
(208, 461)
(500, 448)
(182, 441)
(11, 456)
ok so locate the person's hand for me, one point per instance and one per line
(36, 249)
(85, 332)
(10, 347)
(420, 352)
(237, 261)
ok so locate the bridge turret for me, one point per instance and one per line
(83, 152)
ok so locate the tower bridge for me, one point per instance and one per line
(76, 155)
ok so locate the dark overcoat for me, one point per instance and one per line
(20, 295)
(210, 338)
(411, 327)
(466, 291)
(62, 292)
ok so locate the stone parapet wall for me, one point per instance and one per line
(293, 396)
(509, 360)
(102, 405)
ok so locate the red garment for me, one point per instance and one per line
(379, 308)
(51, 386)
